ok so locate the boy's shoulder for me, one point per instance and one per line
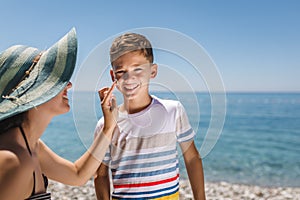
(167, 103)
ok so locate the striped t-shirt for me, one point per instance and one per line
(143, 156)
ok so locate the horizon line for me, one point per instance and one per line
(205, 91)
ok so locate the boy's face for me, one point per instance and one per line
(133, 73)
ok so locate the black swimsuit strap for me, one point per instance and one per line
(33, 189)
(24, 136)
(28, 148)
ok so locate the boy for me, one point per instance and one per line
(143, 156)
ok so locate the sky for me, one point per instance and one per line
(254, 45)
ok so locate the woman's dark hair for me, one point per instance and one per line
(11, 122)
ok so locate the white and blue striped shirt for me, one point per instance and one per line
(143, 155)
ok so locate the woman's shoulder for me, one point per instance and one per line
(9, 159)
(11, 166)
(16, 173)
(14, 161)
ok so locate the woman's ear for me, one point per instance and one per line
(153, 70)
(112, 75)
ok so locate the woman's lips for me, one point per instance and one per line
(65, 95)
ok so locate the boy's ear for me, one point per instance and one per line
(153, 70)
(112, 75)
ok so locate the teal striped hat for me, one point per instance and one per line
(30, 77)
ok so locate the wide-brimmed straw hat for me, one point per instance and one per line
(30, 77)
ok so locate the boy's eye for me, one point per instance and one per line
(119, 72)
(138, 69)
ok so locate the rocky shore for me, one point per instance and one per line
(217, 191)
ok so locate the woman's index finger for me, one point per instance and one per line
(108, 92)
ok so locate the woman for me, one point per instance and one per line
(33, 88)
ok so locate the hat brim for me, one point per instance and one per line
(47, 79)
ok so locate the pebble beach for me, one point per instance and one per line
(215, 191)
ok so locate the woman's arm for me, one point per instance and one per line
(80, 172)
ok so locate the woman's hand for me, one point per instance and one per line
(109, 106)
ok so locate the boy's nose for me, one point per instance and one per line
(127, 75)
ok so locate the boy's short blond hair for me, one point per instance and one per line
(130, 42)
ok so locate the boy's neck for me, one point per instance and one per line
(136, 105)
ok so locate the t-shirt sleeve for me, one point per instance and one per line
(97, 131)
(184, 131)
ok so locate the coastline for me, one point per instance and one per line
(213, 190)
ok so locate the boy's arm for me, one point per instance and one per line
(194, 168)
(102, 183)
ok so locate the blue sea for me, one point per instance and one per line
(259, 143)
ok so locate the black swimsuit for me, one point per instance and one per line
(41, 196)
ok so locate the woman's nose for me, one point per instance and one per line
(69, 85)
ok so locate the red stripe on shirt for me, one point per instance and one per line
(147, 184)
